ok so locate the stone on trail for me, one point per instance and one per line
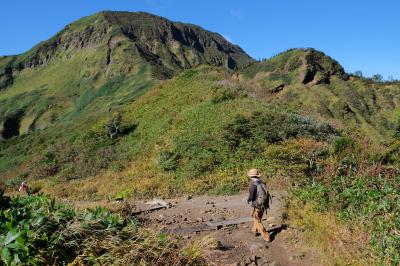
(159, 202)
(256, 248)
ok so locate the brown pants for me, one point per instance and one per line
(257, 224)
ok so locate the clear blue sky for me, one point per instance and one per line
(360, 34)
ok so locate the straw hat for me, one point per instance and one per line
(253, 173)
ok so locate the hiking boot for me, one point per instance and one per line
(266, 238)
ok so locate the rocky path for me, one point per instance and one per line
(207, 221)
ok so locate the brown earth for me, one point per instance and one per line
(195, 220)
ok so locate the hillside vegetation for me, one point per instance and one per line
(37, 230)
(100, 62)
(130, 105)
(315, 84)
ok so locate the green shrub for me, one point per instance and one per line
(341, 144)
(372, 200)
(37, 230)
(168, 161)
(274, 127)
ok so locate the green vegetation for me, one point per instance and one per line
(315, 84)
(110, 108)
(101, 62)
(37, 230)
(363, 188)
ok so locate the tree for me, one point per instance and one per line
(358, 73)
(377, 77)
(113, 126)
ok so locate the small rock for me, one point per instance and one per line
(253, 258)
(248, 260)
(200, 220)
(189, 197)
(185, 219)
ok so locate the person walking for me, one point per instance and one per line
(259, 198)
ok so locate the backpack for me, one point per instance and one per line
(263, 197)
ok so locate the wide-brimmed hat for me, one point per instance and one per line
(253, 173)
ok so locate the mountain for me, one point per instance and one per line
(315, 84)
(126, 96)
(131, 105)
(99, 62)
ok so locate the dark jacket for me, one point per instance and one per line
(253, 191)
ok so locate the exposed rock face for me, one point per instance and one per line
(307, 66)
(168, 46)
(178, 45)
(318, 68)
(105, 49)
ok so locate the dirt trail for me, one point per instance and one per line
(194, 218)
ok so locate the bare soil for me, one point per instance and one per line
(195, 218)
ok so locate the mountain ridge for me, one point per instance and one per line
(102, 61)
(155, 41)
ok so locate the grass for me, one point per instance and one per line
(200, 131)
(358, 190)
(182, 134)
(38, 230)
(339, 243)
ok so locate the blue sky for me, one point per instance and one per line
(360, 34)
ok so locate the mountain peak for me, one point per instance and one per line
(306, 65)
(126, 39)
(319, 67)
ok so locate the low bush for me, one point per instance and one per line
(37, 230)
(274, 127)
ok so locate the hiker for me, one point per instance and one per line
(23, 187)
(259, 198)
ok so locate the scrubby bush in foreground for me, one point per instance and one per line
(362, 191)
(36, 230)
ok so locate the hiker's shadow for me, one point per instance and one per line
(273, 232)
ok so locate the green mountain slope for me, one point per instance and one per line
(132, 105)
(316, 85)
(178, 137)
(102, 61)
